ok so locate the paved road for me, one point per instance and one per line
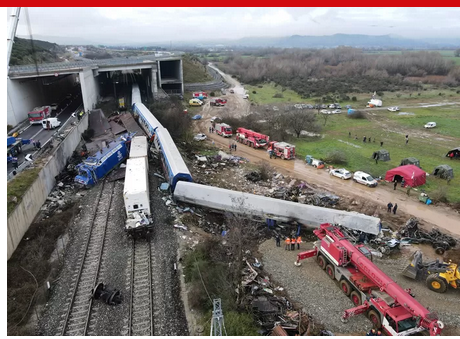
(36, 132)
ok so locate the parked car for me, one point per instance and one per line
(430, 125)
(338, 106)
(364, 178)
(245, 96)
(323, 106)
(195, 102)
(298, 106)
(309, 106)
(341, 173)
(348, 106)
(336, 111)
(317, 163)
(200, 137)
(54, 107)
(214, 119)
(196, 117)
(393, 109)
(232, 91)
(325, 111)
(332, 106)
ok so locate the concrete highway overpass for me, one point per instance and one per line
(30, 86)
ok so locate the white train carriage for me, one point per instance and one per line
(145, 118)
(173, 164)
(139, 147)
(136, 95)
(136, 197)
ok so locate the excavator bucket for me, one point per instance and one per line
(412, 269)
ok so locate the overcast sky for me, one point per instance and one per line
(149, 25)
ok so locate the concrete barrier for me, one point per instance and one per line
(20, 219)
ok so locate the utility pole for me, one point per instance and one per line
(217, 323)
(12, 26)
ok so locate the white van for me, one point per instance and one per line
(51, 123)
(364, 178)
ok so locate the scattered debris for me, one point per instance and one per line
(109, 296)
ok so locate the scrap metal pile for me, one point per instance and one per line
(275, 314)
(412, 234)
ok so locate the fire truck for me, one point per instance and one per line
(224, 130)
(251, 138)
(282, 150)
(387, 304)
(38, 114)
(200, 95)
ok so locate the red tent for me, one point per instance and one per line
(413, 176)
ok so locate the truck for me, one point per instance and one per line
(251, 138)
(38, 114)
(14, 147)
(218, 102)
(388, 306)
(374, 103)
(96, 167)
(282, 150)
(224, 130)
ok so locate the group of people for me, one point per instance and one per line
(232, 147)
(390, 206)
(289, 242)
(373, 332)
(365, 139)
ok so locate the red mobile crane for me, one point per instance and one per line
(387, 304)
(251, 138)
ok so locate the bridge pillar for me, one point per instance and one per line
(89, 89)
(154, 82)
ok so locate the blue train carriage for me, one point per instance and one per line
(146, 119)
(174, 166)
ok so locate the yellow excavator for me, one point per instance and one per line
(440, 274)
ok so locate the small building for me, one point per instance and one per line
(410, 161)
(444, 172)
(412, 175)
(454, 153)
(382, 155)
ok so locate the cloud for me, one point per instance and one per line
(149, 25)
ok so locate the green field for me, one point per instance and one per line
(429, 146)
(265, 94)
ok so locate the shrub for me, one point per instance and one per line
(88, 134)
(357, 115)
(439, 194)
(10, 127)
(254, 92)
(212, 94)
(278, 95)
(265, 170)
(336, 157)
(354, 99)
(260, 86)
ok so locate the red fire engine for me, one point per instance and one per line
(282, 150)
(251, 138)
(224, 130)
(38, 114)
(387, 304)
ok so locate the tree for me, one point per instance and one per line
(298, 120)
(457, 52)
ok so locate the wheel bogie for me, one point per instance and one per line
(436, 283)
(330, 271)
(375, 318)
(355, 297)
(345, 287)
(321, 261)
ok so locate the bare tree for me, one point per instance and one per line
(299, 120)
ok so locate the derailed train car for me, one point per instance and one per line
(136, 193)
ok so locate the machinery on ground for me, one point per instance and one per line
(439, 275)
(387, 305)
(96, 167)
(251, 138)
(14, 147)
(224, 130)
(282, 150)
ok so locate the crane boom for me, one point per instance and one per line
(12, 26)
(369, 288)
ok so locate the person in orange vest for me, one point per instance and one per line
(292, 243)
(287, 243)
(299, 240)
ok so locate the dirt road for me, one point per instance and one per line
(441, 217)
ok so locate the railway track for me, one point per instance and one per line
(78, 314)
(140, 320)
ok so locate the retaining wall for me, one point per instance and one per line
(21, 218)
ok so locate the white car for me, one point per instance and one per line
(245, 96)
(54, 107)
(325, 111)
(393, 109)
(341, 173)
(337, 111)
(430, 125)
(365, 179)
(200, 137)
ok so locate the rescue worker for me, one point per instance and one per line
(14, 161)
(390, 206)
(278, 240)
(287, 243)
(371, 333)
(298, 241)
(379, 333)
(293, 241)
(38, 144)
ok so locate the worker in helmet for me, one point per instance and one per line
(293, 241)
(298, 241)
(287, 243)
(379, 333)
(371, 332)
